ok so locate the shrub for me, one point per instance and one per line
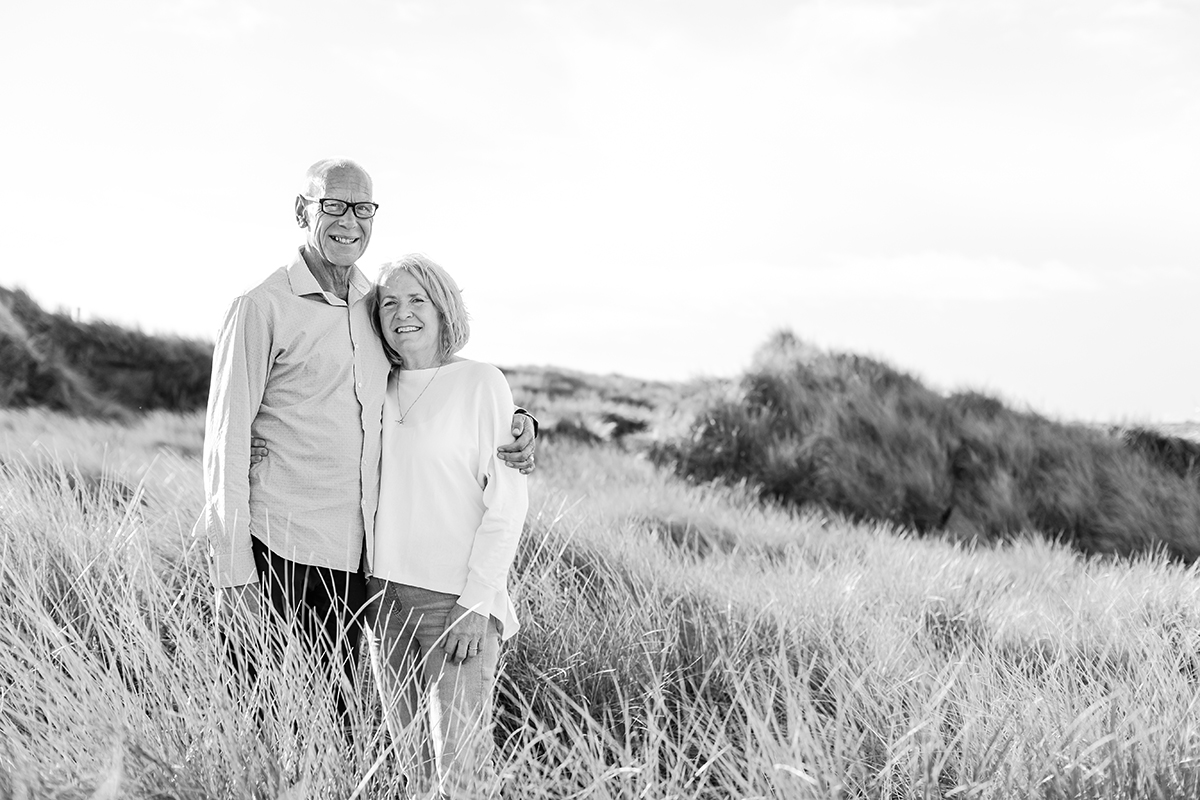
(854, 435)
(845, 432)
(1178, 456)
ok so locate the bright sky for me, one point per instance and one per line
(994, 194)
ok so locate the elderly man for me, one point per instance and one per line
(298, 364)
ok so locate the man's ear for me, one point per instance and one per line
(301, 211)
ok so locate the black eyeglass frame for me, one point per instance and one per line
(348, 205)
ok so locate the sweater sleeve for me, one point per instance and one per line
(505, 499)
(239, 375)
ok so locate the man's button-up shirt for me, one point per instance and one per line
(305, 371)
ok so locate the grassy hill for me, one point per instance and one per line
(94, 368)
(31, 378)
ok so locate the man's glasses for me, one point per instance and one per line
(336, 208)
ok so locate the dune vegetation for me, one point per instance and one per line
(855, 435)
(680, 640)
(824, 580)
(98, 369)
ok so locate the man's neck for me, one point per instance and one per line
(331, 277)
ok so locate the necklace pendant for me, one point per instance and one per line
(404, 413)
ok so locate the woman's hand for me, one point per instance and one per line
(464, 634)
(258, 449)
(519, 454)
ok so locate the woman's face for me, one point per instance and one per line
(411, 325)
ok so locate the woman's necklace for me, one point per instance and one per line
(404, 414)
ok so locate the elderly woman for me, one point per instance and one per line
(450, 516)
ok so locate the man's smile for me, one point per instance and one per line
(343, 239)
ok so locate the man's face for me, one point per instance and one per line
(337, 241)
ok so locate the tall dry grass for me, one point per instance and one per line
(677, 642)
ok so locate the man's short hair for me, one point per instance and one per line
(324, 167)
(443, 293)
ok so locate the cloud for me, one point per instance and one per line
(846, 29)
(1140, 10)
(945, 276)
(936, 276)
(208, 20)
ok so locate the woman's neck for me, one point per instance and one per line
(421, 361)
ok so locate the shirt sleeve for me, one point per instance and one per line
(239, 376)
(505, 501)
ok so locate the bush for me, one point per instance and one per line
(1180, 457)
(845, 432)
(856, 436)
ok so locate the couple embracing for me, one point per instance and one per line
(361, 477)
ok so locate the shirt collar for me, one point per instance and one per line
(303, 282)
